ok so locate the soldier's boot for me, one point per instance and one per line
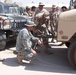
(47, 50)
(36, 49)
(45, 42)
(20, 57)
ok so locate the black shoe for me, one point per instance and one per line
(48, 46)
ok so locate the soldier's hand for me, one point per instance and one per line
(39, 42)
(34, 52)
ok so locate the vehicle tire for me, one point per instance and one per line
(2, 41)
(67, 44)
(72, 55)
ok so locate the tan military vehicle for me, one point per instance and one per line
(66, 32)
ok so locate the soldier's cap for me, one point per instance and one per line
(27, 7)
(30, 23)
(41, 4)
(54, 6)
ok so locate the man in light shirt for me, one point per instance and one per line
(42, 21)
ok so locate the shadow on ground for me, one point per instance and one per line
(57, 62)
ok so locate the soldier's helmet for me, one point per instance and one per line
(30, 23)
(27, 7)
(41, 4)
(54, 6)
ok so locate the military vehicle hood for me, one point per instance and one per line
(14, 16)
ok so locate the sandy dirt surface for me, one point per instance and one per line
(53, 64)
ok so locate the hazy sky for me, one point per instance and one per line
(25, 2)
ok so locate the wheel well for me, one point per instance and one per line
(72, 39)
(8, 33)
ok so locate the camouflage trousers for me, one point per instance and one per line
(25, 55)
(42, 35)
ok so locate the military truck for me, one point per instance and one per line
(11, 22)
(66, 33)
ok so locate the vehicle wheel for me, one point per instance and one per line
(2, 41)
(67, 44)
(72, 55)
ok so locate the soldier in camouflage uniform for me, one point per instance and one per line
(42, 21)
(33, 9)
(27, 11)
(26, 42)
(54, 14)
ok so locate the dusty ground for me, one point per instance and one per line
(53, 64)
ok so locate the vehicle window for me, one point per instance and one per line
(11, 9)
(6, 9)
(16, 10)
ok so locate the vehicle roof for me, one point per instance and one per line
(9, 4)
(14, 4)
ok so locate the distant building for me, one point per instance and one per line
(8, 1)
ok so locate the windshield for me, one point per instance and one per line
(16, 10)
(1, 11)
(11, 9)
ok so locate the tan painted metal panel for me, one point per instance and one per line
(67, 24)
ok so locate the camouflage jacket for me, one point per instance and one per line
(53, 15)
(41, 16)
(24, 40)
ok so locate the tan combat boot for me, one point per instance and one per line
(20, 57)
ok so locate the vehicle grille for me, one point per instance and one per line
(18, 25)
